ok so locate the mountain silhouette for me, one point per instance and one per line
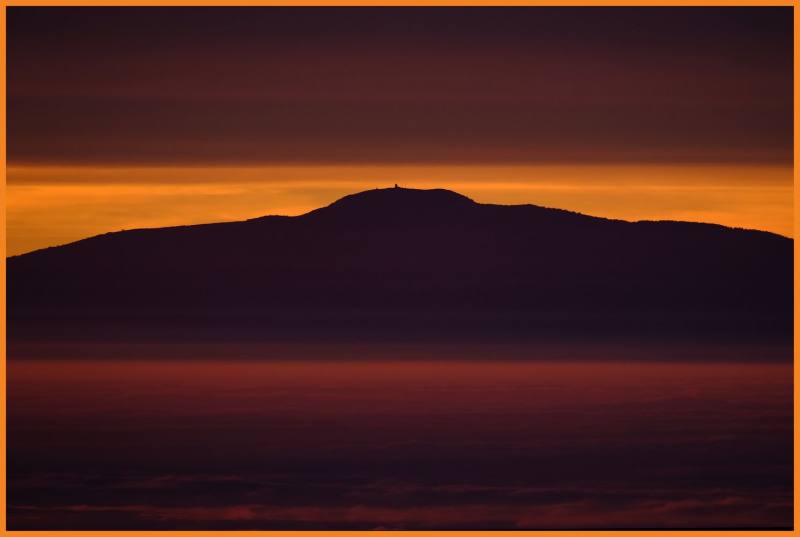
(407, 264)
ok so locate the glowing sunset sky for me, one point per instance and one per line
(132, 117)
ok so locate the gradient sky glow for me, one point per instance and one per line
(130, 117)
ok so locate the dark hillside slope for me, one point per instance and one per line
(404, 264)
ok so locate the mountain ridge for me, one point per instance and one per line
(337, 205)
(406, 263)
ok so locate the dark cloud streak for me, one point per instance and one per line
(256, 85)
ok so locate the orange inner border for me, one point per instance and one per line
(696, 3)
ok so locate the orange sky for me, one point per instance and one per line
(49, 205)
(141, 117)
